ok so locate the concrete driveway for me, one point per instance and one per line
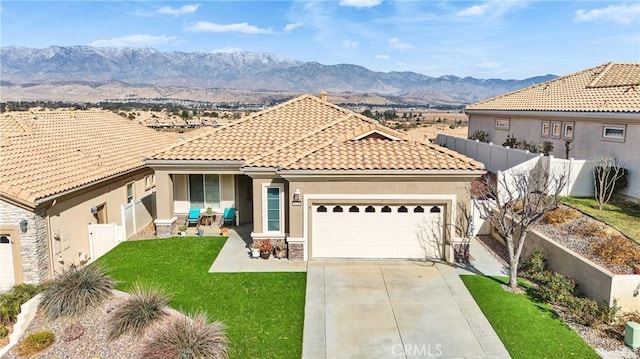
(360, 309)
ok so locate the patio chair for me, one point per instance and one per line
(194, 216)
(229, 216)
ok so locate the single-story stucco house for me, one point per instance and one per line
(591, 113)
(61, 171)
(333, 183)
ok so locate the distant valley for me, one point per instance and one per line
(89, 74)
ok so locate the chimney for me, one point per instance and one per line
(323, 95)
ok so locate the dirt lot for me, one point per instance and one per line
(431, 131)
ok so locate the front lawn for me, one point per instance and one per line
(620, 214)
(263, 312)
(527, 328)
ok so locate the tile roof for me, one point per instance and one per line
(49, 152)
(610, 87)
(311, 134)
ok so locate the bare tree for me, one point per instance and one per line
(513, 202)
(606, 173)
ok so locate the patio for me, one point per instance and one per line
(235, 255)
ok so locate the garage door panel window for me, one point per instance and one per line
(322, 209)
(370, 209)
(337, 209)
(418, 209)
(386, 209)
(403, 209)
(354, 209)
(435, 209)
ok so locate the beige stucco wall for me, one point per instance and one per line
(587, 139)
(70, 215)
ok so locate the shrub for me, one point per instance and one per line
(144, 307)
(72, 332)
(183, 337)
(511, 141)
(561, 215)
(534, 265)
(36, 342)
(480, 136)
(11, 301)
(557, 288)
(76, 290)
(546, 147)
(584, 311)
(609, 314)
(624, 318)
(617, 250)
(4, 331)
(592, 228)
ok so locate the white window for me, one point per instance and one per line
(502, 124)
(555, 129)
(130, 192)
(544, 131)
(273, 208)
(614, 132)
(567, 130)
(204, 191)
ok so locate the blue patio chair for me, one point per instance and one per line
(229, 216)
(194, 216)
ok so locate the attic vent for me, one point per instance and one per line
(376, 135)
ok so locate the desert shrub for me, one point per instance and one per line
(511, 141)
(4, 331)
(625, 317)
(480, 136)
(72, 332)
(557, 288)
(546, 147)
(584, 311)
(561, 215)
(186, 338)
(36, 342)
(533, 266)
(592, 228)
(11, 301)
(76, 290)
(609, 314)
(617, 250)
(144, 307)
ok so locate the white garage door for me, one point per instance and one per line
(377, 231)
(7, 274)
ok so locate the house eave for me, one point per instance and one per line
(379, 173)
(190, 165)
(556, 114)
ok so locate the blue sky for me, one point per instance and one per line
(484, 39)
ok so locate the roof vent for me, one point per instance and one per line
(323, 95)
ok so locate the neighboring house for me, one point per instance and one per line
(597, 109)
(331, 182)
(59, 172)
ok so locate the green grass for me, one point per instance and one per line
(620, 214)
(263, 312)
(528, 329)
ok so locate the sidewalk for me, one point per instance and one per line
(235, 256)
(482, 262)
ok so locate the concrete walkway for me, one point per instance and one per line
(482, 262)
(362, 309)
(235, 256)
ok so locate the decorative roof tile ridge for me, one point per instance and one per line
(298, 139)
(600, 75)
(546, 83)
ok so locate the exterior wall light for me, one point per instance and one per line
(23, 226)
(296, 198)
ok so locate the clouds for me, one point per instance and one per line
(186, 9)
(241, 27)
(395, 43)
(360, 3)
(292, 26)
(476, 10)
(349, 44)
(622, 14)
(139, 40)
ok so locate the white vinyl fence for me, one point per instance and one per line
(103, 237)
(138, 214)
(504, 161)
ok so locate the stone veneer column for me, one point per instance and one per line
(296, 251)
(34, 244)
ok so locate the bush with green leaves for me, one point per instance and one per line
(186, 338)
(36, 342)
(584, 311)
(533, 266)
(4, 331)
(557, 288)
(144, 307)
(480, 135)
(76, 290)
(11, 301)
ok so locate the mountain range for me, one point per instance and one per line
(76, 72)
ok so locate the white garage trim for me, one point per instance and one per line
(344, 198)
